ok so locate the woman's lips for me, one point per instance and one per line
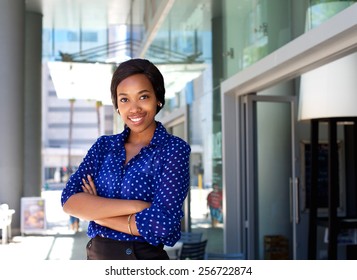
(136, 119)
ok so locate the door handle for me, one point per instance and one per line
(294, 200)
(291, 194)
(296, 196)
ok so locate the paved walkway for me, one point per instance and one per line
(56, 243)
(59, 243)
(63, 245)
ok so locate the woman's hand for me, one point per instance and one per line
(88, 186)
(82, 204)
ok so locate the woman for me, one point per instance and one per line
(131, 186)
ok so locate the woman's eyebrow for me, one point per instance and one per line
(139, 92)
(143, 91)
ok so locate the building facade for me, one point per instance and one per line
(237, 73)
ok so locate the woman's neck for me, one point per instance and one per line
(141, 138)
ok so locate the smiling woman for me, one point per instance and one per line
(131, 186)
(137, 105)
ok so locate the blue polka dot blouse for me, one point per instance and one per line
(158, 174)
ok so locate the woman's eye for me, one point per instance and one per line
(123, 100)
(144, 97)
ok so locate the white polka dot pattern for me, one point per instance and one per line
(158, 174)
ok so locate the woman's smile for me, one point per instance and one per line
(136, 119)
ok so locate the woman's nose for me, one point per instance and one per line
(134, 107)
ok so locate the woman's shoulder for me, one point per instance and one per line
(166, 138)
(175, 140)
(176, 145)
(109, 139)
(109, 142)
(169, 143)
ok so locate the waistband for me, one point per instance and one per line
(110, 249)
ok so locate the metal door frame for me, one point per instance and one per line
(247, 117)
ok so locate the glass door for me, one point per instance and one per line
(271, 206)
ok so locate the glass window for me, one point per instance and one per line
(321, 10)
(252, 30)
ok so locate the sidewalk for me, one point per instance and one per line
(59, 243)
(63, 245)
(56, 243)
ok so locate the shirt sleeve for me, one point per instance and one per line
(161, 223)
(88, 166)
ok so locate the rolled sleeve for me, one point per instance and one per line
(161, 223)
(87, 167)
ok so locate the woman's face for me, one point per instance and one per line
(137, 103)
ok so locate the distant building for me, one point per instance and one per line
(89, 120)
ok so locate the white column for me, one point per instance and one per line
(32, 100)
(12, 17)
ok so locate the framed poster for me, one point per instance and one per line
(33, 215)
(323, 175)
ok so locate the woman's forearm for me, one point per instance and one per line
(91, 207)
(121, 224)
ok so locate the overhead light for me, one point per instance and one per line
(117, 59)
(330, 91)
(87, 81)
(177, 75)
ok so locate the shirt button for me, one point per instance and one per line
(128, 251)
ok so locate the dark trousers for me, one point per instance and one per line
(99, 248)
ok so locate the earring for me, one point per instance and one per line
(118, 111)
(159, 104)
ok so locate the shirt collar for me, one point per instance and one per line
(160, 135)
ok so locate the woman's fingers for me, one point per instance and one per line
(88, 186)
(91, 183)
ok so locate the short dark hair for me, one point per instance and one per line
(139, 66)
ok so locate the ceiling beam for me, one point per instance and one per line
(160, 15)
